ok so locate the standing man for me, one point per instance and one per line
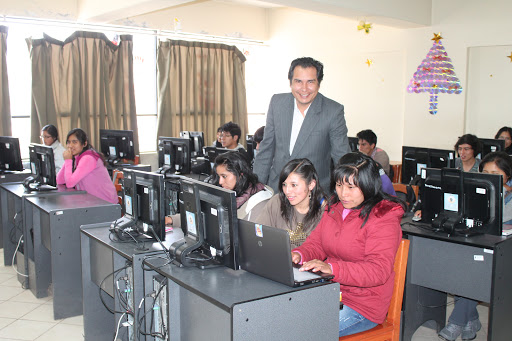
(302, 124)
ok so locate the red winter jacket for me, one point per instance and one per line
(362, 259)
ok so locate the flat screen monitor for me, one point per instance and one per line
(10, 156)
(480, 202)
(490, 146)
(174, 155)
(117, 144)
(42, 165)
(414, 159)
(212, 152)
(353, 144)
(209, 217)
(143, 200)
(251, 146)
(196, 141)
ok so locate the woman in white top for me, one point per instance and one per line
(50, 137)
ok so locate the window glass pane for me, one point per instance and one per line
(147, 133)
(144, 74)
(255, 121)
(19, 130)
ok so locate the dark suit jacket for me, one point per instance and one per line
(322, 137)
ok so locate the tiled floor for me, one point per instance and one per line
(24, 317)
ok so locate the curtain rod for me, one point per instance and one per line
(131, 29)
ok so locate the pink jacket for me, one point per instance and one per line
(362, 259)
(90, 175)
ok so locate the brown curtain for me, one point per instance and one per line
(84, 82)
(5, 104)
(200, 87)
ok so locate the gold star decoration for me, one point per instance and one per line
(437, 37)
(363, 25)
(369, 62)
(510, 57)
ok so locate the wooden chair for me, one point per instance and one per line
(117, 175)
(389, 330)
(397, 172)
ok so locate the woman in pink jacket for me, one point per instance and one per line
(84, 168)
(357, 240)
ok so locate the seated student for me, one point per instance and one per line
(232, 171)
(468, 147)
(50, 137)
(84, 168)
(217, 143)
(300, 203)
(356, 241)
(505, 133)
(230, 136)
(368, 145)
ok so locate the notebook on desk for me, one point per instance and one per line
(266, 251)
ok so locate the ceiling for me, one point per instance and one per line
(395, 13)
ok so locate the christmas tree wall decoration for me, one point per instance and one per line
(435, 74)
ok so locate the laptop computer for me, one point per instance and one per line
(266, 251)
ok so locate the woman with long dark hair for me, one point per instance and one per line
(505, 133)
(356, 241)
(84, 168)
(300, 203)
(50, 137)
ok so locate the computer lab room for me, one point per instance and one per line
(148, 191)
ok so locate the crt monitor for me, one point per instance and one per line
(209, 217)
(10, 156)
(353, 144)
(174, 155)
(491, 145)
(480, 202)
(414, 159)
(143, 200)
(42, 165)
(117, 144)
(196, 140)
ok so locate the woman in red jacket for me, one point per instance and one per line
(357, 240)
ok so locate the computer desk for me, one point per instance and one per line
(103, 259)
(11, 196)
(52, 245)
(479, 267)
(11, 177)
(223, 304)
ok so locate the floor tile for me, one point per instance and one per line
(16, 309)
(42, 313)
(63, 332)
(28, 297)
(6, 269)
(5, 321)
(9, 292)
(26, 330)
(6, 276)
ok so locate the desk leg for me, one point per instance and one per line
(500, 315)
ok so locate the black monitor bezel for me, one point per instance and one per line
(14, 156)
(498, 143)
(197, 149)
(174, 142)
(353, 143)
(118, 135)
(409, 172)
(35, 150)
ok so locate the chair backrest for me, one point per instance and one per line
(398, 289)
(408, 193)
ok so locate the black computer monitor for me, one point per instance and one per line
(196, 140)
(212, 152)
(10, 156)
(491, 145)
(42, 165)
(174, 155)
(209, 221)
(480, 203)
(143, 201)
(415, 158)
(117, 144)
(353, 143)
(251, 146)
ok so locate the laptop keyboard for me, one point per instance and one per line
(301, 276)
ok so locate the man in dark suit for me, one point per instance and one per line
(302, 124)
